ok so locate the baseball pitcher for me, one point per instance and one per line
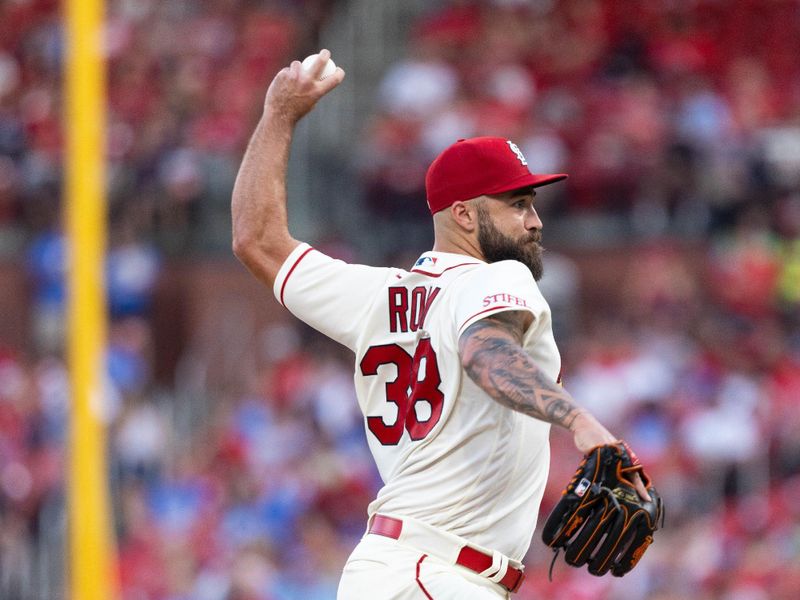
(456, 371)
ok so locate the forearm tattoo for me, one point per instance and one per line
(493, 357)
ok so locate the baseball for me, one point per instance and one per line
(330, 66)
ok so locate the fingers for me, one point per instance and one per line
(319, 63)
(640, 489)
(328, 83)
(314, 72)
(332, 81)
(317, 68)
(295, 90)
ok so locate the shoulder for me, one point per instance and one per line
(308, 269)
(504, 273)
(497, 287)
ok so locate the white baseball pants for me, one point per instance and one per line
(381, 568)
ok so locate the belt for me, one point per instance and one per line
(468, 557)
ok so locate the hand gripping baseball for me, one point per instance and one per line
(601, 520)
(295, 90)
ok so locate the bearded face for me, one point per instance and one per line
(497, 246)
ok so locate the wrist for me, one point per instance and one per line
(581, 418)
(276, 119)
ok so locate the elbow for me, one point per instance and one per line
(249, 250)
(240, 246)
(262, 259)
(243, 247)
(248, 242)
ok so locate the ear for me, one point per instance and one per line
(464, 215)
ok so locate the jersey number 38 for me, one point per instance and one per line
(411, 386)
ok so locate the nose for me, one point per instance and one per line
(532, 220)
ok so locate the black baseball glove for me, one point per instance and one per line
(600, 519)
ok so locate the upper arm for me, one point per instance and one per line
(497, 336)
(493, 357)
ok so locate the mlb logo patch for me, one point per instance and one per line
(425, 260)
(582, 486)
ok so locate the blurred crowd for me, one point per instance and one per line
(679, 123)
(185, 82)
(674, 116)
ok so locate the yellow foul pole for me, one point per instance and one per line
(91, 558)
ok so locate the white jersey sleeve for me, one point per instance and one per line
(330, 295)
(498, 287)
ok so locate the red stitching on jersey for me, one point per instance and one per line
(440, 274)
(419, 583)
(297, 262)
(485, 310)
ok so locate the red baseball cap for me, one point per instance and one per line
(476, 167)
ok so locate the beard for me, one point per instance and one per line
(497, 246)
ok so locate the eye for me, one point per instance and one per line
(519, 204)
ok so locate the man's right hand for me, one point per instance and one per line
(295, 91)
(261, 237)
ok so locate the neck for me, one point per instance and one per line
(464, 246)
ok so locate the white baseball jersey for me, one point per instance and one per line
(448, 454)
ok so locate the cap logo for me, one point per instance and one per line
(515, 149)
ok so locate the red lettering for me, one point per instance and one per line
(398, 307)
(507, 298)
(389, 434)
(487, 300)
(431, 297)
(418, 295)
(425, 388)
(406, 390)
(404, 314)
